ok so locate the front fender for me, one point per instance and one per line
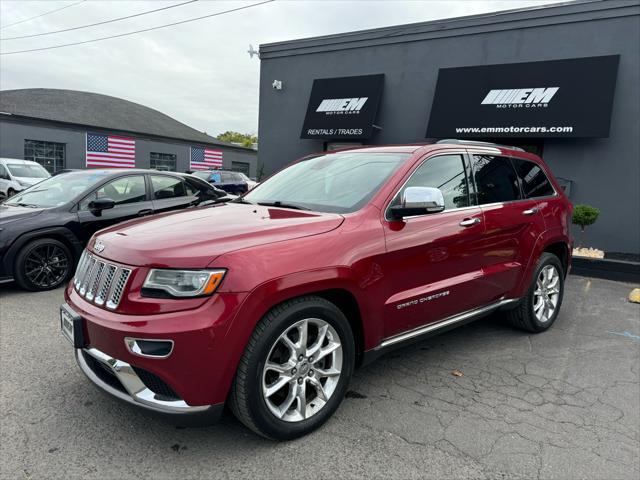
(273, 292)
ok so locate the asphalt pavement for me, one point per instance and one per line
(564, 404)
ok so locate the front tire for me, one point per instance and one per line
(295, 369)
(10, 193)
(541, 304)
(43, 264)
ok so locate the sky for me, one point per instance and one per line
(200, 72)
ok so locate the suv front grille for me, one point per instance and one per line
(99, 281)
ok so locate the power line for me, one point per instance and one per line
(99, 23)
(138, 31)
(42, 14)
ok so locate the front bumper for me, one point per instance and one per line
(121, 380)
(193, 377)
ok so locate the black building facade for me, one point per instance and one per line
(562, 81)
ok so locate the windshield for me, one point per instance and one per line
(335, 183)
(27, 170)
(204, 175)
(56, 190)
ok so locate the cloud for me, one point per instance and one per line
(198, 73)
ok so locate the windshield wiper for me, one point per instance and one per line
(241, 200)
(21, 204)
(280, 204)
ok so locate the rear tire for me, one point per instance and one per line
(43, 264)
(540, 306)
(286, 387)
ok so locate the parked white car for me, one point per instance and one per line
(16, 175)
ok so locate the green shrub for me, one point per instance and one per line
(584, 215)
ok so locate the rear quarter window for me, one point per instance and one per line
(533, 180)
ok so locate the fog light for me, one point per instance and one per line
(149, 348)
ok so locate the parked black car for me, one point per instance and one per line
(44, 229)
(231, 182)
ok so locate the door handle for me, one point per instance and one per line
(468, 222)
(531, 211)
(145, 212)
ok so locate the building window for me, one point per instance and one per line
(50, 155)
(163, 161)
(241, 167)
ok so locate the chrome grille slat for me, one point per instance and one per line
(105, 284)
(81, 266)
(95, 281)
(99, 281)
(118, 288)
(87, 276)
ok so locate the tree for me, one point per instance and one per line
(244, 139)
(583, 216)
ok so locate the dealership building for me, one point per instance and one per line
(65, 129)
(561, 80)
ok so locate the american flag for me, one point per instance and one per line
(110, 151)
(205, 158)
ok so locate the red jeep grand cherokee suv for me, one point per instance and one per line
(269, 301)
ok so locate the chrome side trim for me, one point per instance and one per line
(432, 327)
(138, 393)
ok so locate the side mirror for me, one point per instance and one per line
(418, 201)
(96, 206)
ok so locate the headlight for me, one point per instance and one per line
(182, 283)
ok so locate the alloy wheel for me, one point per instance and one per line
(46, 266)
(546, 294)
(302, 370)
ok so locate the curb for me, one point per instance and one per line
(618, 270)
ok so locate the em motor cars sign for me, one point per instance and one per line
(558, 98)
(343, 108)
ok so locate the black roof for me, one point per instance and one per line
(99, 111)
(119, 171)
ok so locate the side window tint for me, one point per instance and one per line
(190, 189)
(215, 177)
(533, 179)
(495, 179)
(3, 172)
(167, 187)
(124, 190)
(445, 172)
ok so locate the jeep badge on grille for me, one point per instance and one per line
(98, 247)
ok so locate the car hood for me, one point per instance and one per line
(10, 213)
(194, 238)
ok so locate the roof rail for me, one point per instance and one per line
(478, 143)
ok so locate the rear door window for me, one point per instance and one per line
(167, 187)
(495, 179)
(533, 180)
